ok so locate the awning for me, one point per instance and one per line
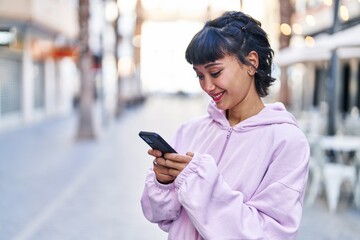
(346, 43)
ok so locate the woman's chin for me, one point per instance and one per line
(221, 106)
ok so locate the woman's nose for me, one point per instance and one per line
(208, 85)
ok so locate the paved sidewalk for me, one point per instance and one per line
(53, 187)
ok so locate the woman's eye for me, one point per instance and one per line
(216, 74)
(200, 77)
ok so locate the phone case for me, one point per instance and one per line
(155, 141)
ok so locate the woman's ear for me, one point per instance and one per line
(253, 58)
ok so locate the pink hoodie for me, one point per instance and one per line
(244, 182)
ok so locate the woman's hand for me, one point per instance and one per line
(169, 166)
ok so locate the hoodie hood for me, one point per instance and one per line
(273, 113)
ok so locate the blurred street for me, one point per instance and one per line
(55, 188)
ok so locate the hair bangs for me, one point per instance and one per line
(208, 45)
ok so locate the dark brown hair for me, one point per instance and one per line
(237, 34)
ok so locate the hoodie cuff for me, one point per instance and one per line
(191, 168)
(163, 186)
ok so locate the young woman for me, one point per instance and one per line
(241, 171)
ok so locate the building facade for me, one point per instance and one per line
(323, 62)
(37, 60)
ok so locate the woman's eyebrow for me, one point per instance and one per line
(212, 64)
(208, 65)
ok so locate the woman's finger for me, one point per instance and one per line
(177, 157)
(154, 153)
(161, 161)
(174, 172)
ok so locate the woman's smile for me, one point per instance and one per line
(217, 97)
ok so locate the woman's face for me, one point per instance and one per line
(228, 82)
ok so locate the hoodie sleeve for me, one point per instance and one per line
(219, 212)
(159, 202)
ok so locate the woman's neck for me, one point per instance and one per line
(242, 112)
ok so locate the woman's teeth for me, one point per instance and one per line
(218, 96)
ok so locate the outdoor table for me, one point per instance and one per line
(344, 167)
(342, 146)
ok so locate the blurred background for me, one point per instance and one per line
(80, 78)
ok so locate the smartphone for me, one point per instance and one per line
(155, 141)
